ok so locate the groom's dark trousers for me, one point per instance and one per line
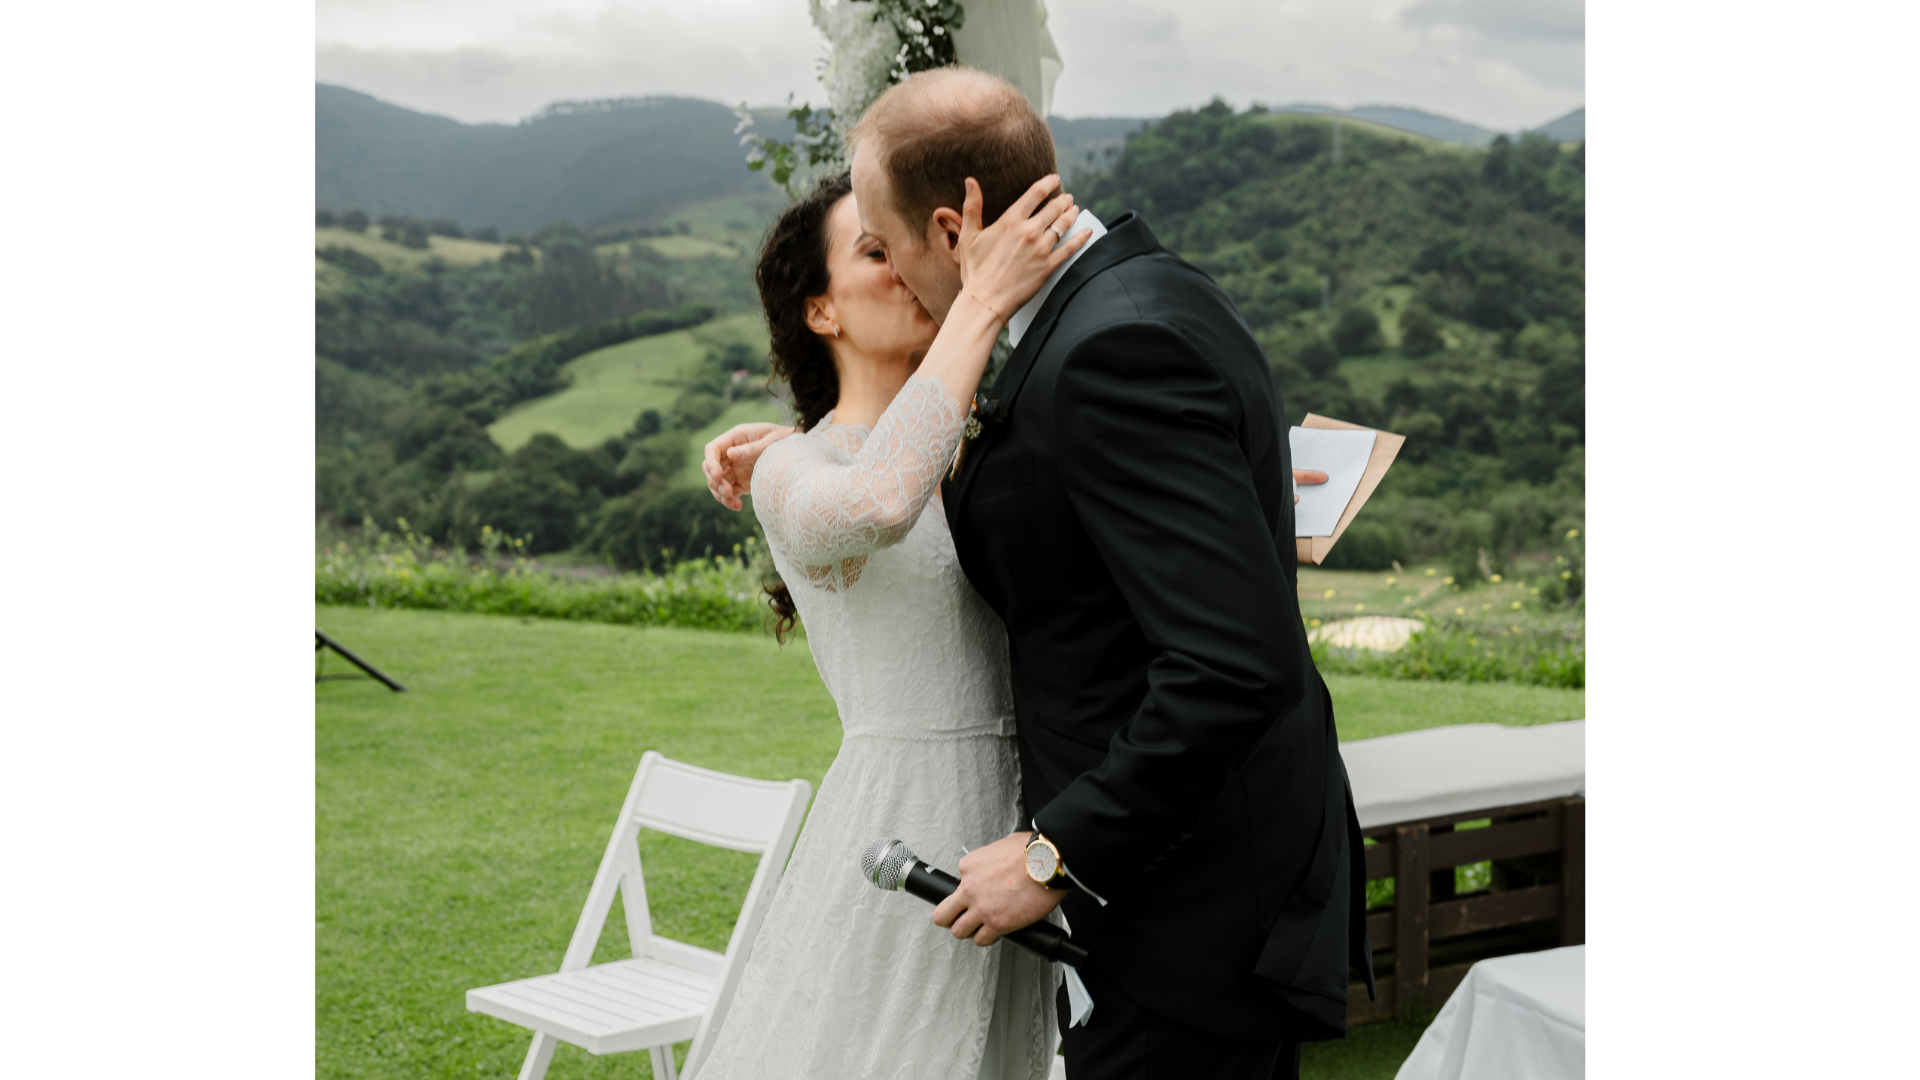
(1128, 510)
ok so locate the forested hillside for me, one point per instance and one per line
(425, 337)
(1423, 287)
(596, 164)
(1431, 290)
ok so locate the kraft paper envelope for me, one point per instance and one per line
(1313, 549)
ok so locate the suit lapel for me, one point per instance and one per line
(1127, 237)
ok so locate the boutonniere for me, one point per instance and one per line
(982, 412)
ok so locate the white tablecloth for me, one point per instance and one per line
(1452, 770)
(1513, 1018)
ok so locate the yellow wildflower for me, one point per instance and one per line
(1359, 607)
(1328, 595)
(1313, 622)
(1516, 605)
(1566, 575)
(1431, 571)
(1571, 533)
(1496, 579)
(1390, 581)
(1459, 611)
(1447, 581)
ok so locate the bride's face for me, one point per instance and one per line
(877, 314)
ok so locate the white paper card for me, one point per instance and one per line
(1342, 455)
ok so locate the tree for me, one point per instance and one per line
(354, 221)
(1316, 355)
(1357, 333)
(1420, 331)
(489, 234)
(323, 218)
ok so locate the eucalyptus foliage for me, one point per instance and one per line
(872, 44)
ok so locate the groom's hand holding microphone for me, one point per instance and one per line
(997, 894)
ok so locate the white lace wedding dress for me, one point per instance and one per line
(846, 981)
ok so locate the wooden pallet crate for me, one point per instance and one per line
(1424, 944)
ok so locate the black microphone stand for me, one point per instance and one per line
(322, 641)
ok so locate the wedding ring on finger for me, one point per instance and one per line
(1057, 231)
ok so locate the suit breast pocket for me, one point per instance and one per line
(999, 477)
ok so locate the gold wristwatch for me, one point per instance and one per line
(1044, 864)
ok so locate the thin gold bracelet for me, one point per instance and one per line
(984, 304)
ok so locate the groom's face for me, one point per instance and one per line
(923, 255)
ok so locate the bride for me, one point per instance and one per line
(846, 981)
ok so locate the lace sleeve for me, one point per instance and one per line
(824, 511)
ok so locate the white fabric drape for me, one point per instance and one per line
(1513, 1018)
(1010, 39)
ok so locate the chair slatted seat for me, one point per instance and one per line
(669, 991)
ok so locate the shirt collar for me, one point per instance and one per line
(1022, 320)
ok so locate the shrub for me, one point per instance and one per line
(657, 526)
(357, 263)
(489, 234)
(354, 221)
(1272, 245)
(697, 407)
(656, 456)
(1468, 557)
(1316, 355)
(1357, 333)
(1420, 331)
(1448, 650)
(1367, 545)
(404, 570)
(323, 218)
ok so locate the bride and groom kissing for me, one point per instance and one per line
(1087, 661)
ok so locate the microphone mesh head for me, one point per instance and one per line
(885, 863)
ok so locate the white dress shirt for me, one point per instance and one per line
(1019, 321)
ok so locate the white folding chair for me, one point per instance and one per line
(669, 991)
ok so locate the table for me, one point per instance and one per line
(1434, 800)
(1513, 1018)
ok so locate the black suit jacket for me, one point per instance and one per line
(1128, 510)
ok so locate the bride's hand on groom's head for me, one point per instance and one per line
(1004, 264)
(729, 459)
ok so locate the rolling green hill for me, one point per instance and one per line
(612, 386)
(608, 389)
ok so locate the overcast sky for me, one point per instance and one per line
(1503, 64)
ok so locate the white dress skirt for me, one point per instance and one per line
(846, 981)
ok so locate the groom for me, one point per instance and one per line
(1126, 507)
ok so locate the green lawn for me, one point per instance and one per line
(459, 824)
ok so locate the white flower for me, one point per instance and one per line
(862, 53)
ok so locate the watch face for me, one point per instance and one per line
(1041, 863)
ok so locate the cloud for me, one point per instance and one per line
(500, 60)
(1500, 63)
(1509, 20)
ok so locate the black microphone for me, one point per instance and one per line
(892, 866)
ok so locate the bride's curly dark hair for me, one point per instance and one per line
(793, 267)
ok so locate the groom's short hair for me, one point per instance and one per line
(931, 132)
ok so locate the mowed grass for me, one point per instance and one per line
(459, 824)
